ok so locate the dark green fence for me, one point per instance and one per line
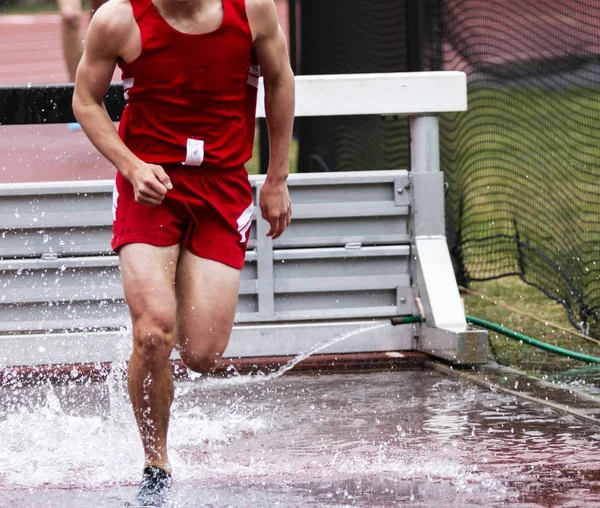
(523, 164)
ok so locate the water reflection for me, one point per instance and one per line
(585, 379)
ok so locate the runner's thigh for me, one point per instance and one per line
(148, 275)
(207, 294)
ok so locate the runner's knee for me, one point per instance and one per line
(203, 362)
(71, 18)
(154, 339)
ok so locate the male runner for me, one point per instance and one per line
(182, 201)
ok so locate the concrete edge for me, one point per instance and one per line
(16, 377)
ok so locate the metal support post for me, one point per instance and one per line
(445, 333)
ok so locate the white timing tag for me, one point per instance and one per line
(195, 152)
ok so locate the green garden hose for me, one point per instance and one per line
(512, 335)
(532, 342)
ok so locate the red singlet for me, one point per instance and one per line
(191, 96)
(191, 102)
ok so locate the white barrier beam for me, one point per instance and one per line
(393, 93)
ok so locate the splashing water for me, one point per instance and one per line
(41, 427)
(261, 377)
(320, 347)
(372, 439)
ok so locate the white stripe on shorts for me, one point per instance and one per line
(245, 221)
(115, 202)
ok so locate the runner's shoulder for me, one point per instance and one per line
(114, 20)
(261, 6)
(262, 16)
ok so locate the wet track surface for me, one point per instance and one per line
(414, 438)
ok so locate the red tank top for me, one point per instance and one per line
(191, 98)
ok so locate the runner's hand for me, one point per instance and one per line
(275, 206)
(150, 184)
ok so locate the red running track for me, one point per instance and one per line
(30, 52)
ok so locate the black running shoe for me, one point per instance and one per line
(154, 488)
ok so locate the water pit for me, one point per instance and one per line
(393, 437)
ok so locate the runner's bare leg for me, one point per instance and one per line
(148, 275)
(72, 39)
(207, 295)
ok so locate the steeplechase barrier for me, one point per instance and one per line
(364, 247)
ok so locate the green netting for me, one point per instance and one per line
(523, 163)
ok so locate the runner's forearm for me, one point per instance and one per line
(101, 131)
(279, 107)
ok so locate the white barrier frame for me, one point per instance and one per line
(401, 93)
(420, 96)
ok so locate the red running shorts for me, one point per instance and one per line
(208, 213)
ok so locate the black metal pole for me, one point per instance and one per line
(263, 146)
(414, 35)
(293, 35)
(437, 34)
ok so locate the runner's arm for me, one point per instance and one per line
(272, 52)
(106, 36)
(271, 49)
(104, 39)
